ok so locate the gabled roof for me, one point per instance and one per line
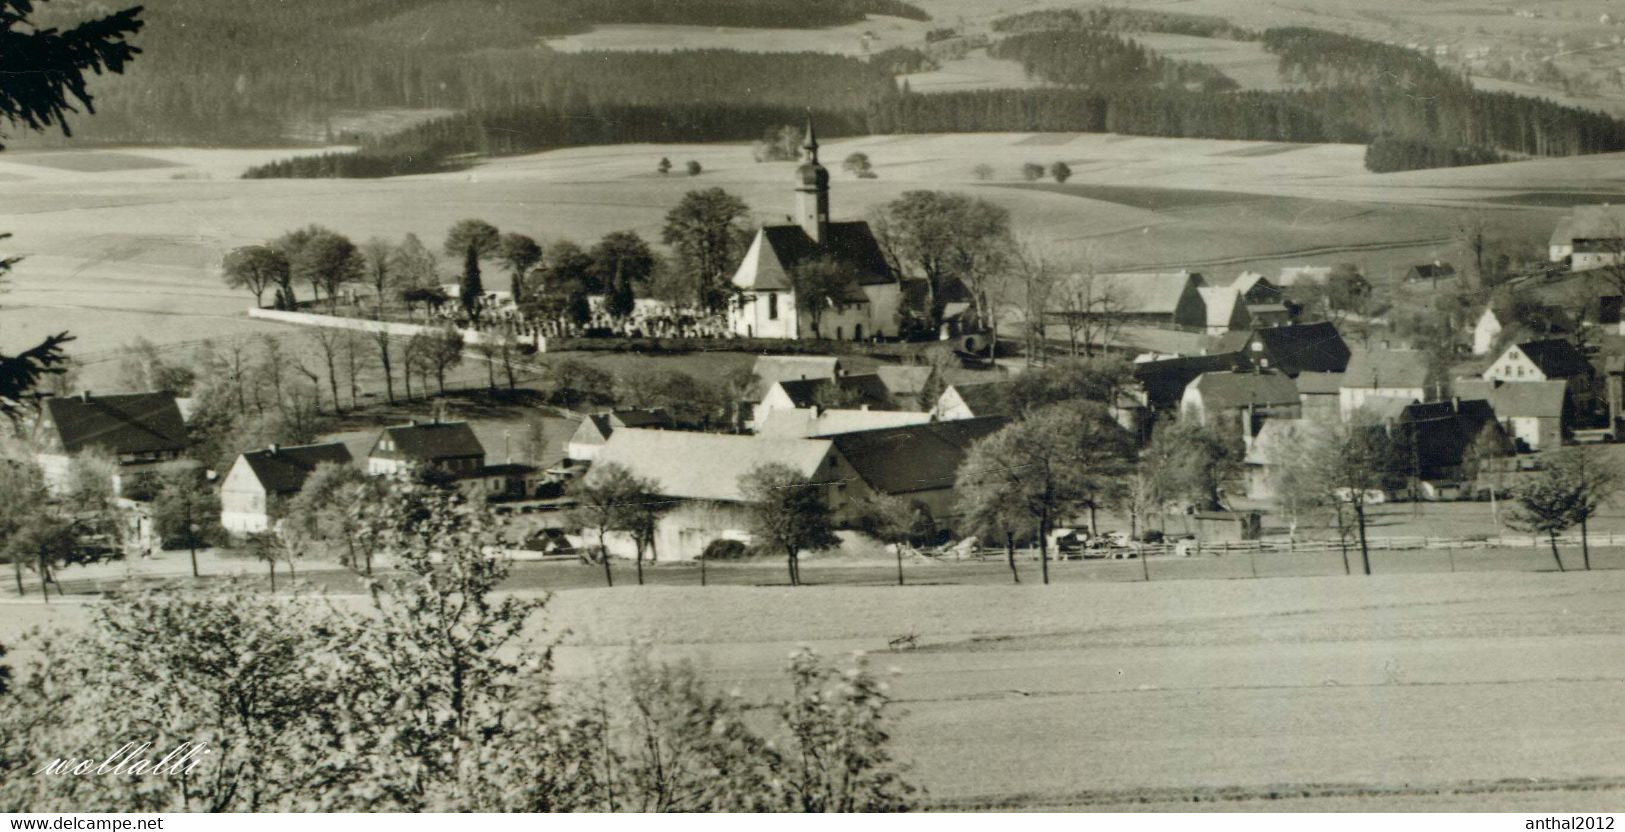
(866, 386)
(904, 380)
(1432, 271)
(1518, 399)
(598, 426)
(915, 458)
(1223, 391)
(1165, 380)
(772, 369)
(1386, 368)
(984, 398)
(429, 442)
(707, 466)
(1597, 222)
(801, 422)
(1385, 408)
(1318, 384)
(129, 423)
(778, 249)
(1441, 432)
(1245, 281)
(1562, 233)
(1298, 348)
(1220, 302)
(282, 470)
(1556, 357)
(1145, 293)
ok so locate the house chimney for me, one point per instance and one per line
(411, 423)
(274, 448)
(84, 395)
(1455, 404)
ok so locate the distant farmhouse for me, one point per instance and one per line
(447, 448)
(595, 430)
(260, 482)
(868, 302)
(1591, 237)
(144, 433)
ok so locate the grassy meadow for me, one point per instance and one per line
(127, 243)
(1490, 691)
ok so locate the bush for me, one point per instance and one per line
(724, 549)
(694, 168)
(1032, 171)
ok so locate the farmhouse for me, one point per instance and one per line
(853, 392)
(1390, 374)
(1224, 309)
(144, 433)
(447, 448)
(702, 471)
(1440, 440)
(595, 430)
(805, 422)
(906, 383)
(1167, 299)
(973, 400)
(918, 462)
(1430, 272)
(1546, 360)
(1293, 349)
(1164, 380)
(1591, 237)
(865, 305)
(260, 482)
(1535, 414)
(1278, 442)
(1244, 399)
(1321, 396)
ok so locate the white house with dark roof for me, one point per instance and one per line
(143, 433)
(866, 305)
(1535, 414)
(596, 429)
(848, 392)
(260, 481)
(1591, 237)
(447, 448)
(1382, 374)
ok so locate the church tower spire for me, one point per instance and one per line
(812, 194)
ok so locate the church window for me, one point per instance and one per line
(772, 306)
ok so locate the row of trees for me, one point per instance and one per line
(434, 697)
(1101, 60)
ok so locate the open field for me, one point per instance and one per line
(1492, 691)
(873, 35)
(1138, 202)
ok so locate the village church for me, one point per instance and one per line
(866, 306)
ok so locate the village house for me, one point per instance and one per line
(1548, 359)
(1388, 374)
(973, 400)
(1244, 400)
(1291, 349)
(1321, 395)
(863, 391)
(1162, 382)
(919, 463)
(1165, 299)
(1264, 301)
(865, 306)
(1591, 237)
(1225, 310)
(1440, 440)
(702, 471)
(1278, 442)
(595, 430)
(805, 422)
(769, 370)
(144, 434)
(906, 384)
(1535, 414)
(1430, 273)
(447, 448)
(259, 483)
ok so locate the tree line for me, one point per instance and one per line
(1112, 19)
(1101, 60)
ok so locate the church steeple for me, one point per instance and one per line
(812, 194)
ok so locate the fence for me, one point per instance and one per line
(399, 329)
(1376, 544)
